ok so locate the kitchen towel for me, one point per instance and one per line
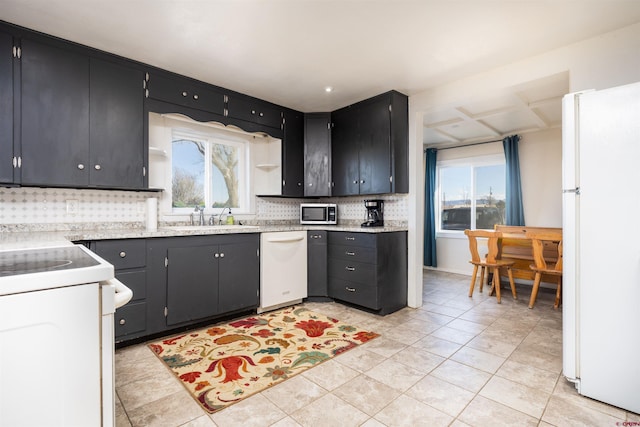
(152, 214)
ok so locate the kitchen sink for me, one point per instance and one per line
(210, 227)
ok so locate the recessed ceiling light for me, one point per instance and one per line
(328, 89)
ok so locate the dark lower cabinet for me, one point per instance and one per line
(317, 272)
(207, 276)
(368, 269)
(181, 281)
(128, 257)
(192, 283)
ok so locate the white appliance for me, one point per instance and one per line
(283, 269)
(601, 277)
(56, 337)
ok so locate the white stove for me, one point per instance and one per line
(56, 334)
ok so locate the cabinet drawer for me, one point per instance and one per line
(352, 239)
(187, 93)
(252, 110)
(353, 253)
(126, 253)
(356, 293)
(130, 319)
(352, 271)
(136, 281)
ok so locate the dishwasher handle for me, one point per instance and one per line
(285, 240)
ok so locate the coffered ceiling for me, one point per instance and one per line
(529, 107)
(289, 51)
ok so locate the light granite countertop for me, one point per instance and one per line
(24, 239)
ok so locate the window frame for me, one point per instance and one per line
(473, 163)
(209, 136)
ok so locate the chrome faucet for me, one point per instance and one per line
(200, 209)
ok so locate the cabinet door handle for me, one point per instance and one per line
(122, 321)
(355, 181)
(123, 254)
(216, 255)
(261, 114)
(350, 289)
(195, 97)
(350, 253)
(184, 93)
(350, 268)
(253, 111)
(350, 238)
(80, 166)
(97, 167)
(362, 181)
(221, 254)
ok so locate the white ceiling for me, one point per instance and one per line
(288, 51)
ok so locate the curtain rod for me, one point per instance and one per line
(466, 145)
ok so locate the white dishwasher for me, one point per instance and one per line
(283, 269)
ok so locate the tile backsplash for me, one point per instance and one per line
(61, 208)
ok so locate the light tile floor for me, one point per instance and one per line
(456, 361)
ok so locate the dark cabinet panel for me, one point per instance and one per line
(369, 269)
(253, 110)
(192, 283)
(374, 157)
(129, 257)
(317, 154)
(54, 116)
(345, 172)
(293, 155)
(182, 91)
(239, 276)
(317, 264)
(369, 146)
(211, 275)
(7, 154)
(116, 126)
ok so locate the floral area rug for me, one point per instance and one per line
(223, 364)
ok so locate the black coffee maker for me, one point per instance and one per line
(375, 213)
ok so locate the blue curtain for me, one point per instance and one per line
(514, 210)
(429, 209)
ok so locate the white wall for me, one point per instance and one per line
(609, 60)
(540, 174)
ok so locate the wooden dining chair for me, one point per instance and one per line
(543, 243)
(489, 262)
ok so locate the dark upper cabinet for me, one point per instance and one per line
(293, 154)
(116, 121)
(186, 92)
(82, 120)
(345, 173)
(317, 154)
(253, 110)
(7, 156)
(54, 116)
(370, 146)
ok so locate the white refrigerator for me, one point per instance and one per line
(601, 226)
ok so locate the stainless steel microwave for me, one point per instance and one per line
(318, 213)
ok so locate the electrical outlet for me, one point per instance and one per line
(72, 207)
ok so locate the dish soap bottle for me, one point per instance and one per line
(230, 218)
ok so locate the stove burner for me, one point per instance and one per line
(47, 259)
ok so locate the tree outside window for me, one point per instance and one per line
(207, 171)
